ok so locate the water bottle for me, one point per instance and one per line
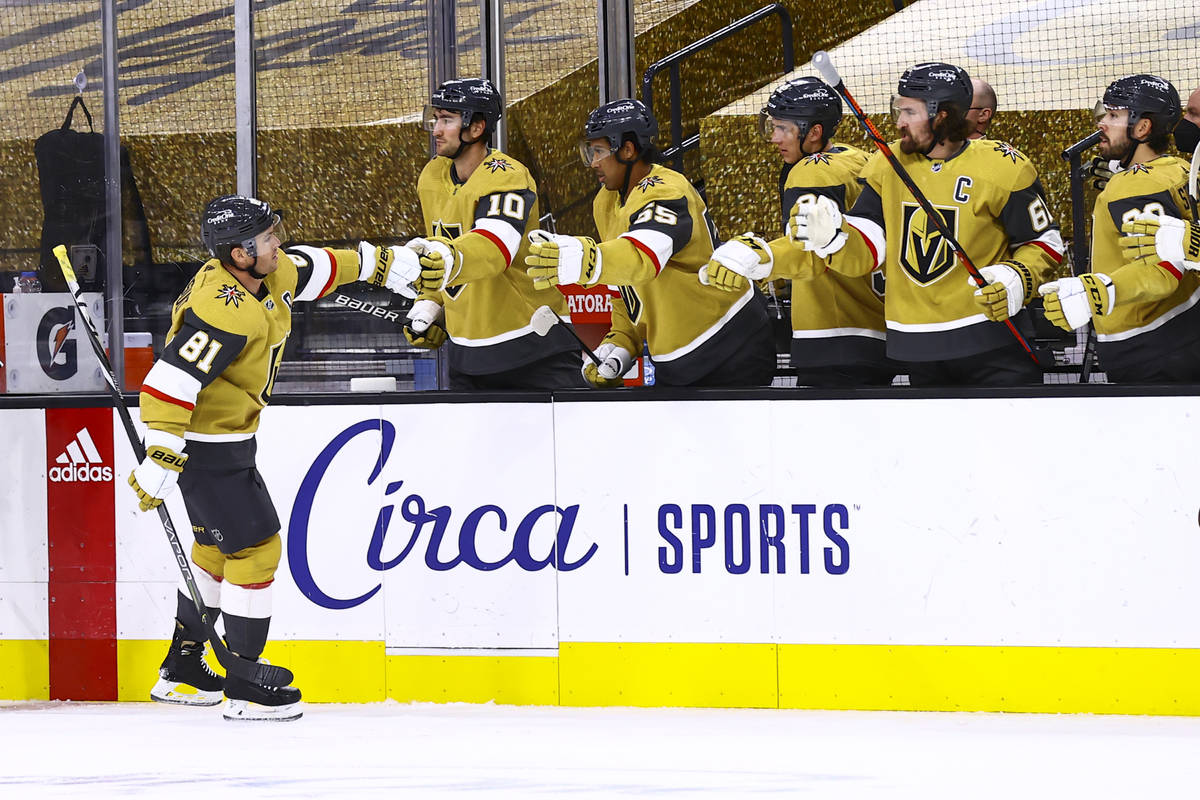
(647, 367)
(28, 283)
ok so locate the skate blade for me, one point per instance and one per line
(239, 710)
(181, 694)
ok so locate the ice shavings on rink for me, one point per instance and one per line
(423, 750)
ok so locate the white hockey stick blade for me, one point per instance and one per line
(824, 65)
(543, 320)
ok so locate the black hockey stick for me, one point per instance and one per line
(829, 74)
(543, 321)
(263, 674)
(1081, 256)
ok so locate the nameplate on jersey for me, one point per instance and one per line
(925, 254)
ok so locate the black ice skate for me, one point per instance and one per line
(185, 678)
(248, 700)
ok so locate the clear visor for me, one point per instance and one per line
(768, 126)
(262, 242)
(590, 153)
(1112, 114)
(430, 117)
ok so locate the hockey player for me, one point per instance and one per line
(838, 333)
(479, 204)
(201, 403)
(988, 194)
(1146, 314)
(982, 110)
(656, 236)
(1187, 131)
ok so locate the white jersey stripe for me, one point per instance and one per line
(933, 327)
(320, 274)
(507, 336)
(506, 233)
(873, 233)
(656, 241)
(1157, 323)
(829, 333)
(679, 352)
(217, 437)
(173, 382)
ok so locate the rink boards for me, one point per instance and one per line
(1019, 554)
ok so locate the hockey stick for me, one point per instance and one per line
(263, 674)
(1192, 195)
(829, 74)
(1081, 255)
(544, 319)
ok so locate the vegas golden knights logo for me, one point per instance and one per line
(924, 253)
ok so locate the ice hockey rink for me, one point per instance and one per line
(424, 750)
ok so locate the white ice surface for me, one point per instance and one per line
(422, 750)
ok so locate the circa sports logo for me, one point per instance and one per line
(488, 537)
(80, 462)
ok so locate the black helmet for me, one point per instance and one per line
(233, 221)
(615, 120)
(470, 96)
(802, 101)
(1147, 97)
(936, 83)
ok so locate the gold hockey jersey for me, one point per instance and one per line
(489, 216)
(990, 198)
(687, 326)
(217, 369)
(1157, 308)
(836, 319)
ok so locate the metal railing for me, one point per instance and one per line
(679, 146)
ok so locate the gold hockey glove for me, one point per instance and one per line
(431, 338)
(440, 261)
(155, 478)
(614, 363)
(1009, 283)
(1150, 239)
(714, 273)
(396, 269)
(556, 260)
(748, 256)
(1072, 302)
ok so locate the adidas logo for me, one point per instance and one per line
(80, 462)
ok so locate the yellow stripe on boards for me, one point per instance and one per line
(1063, 680)
(326, 672)
(1093, 680)
(512, 680)
(24, 669)
(333, 672)
(651, 674)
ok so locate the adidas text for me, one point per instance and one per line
(83, 473)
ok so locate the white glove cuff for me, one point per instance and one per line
(423, 314)
(739, 257)
(157, 438)
(570, 258)
(368, 255)
(615, 363)
(839, 241)
(1112, 290)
